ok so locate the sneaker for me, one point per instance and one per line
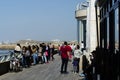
(82, 75)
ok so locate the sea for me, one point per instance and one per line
(3, 52)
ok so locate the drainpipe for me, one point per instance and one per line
(78, 35)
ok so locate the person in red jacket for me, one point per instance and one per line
(65, 51)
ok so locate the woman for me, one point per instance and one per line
(24, 56)
(34, 55)
(77, 54)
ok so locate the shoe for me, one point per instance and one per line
(65, 72)
(61, 72)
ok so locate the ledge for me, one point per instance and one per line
(4, 67)
(79, 14)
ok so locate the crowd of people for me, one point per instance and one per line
(32, 55)
(77, 53)
(69, 52)
(43, 53)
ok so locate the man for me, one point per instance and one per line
(65, 51)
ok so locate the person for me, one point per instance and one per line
(77, 54)
(58, 49)
(24, 61)
(53, 52)
(27, 57)
(34, 55)
(17, 51)
(85, 64)
(73, 46)
(43, 53)
(40, 54)
(17, 48)
(65, 51)
(75, 64)
(30, 57)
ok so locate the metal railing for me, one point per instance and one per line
(6, 57)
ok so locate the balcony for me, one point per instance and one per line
(81, 14)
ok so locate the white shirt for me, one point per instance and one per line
(77, 53)
(17, 48)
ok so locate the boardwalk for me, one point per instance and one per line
(50, 71)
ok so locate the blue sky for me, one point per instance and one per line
(41, 20)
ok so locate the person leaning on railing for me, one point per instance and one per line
(17, 50)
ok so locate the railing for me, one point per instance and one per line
(6, 57)
(106, 65)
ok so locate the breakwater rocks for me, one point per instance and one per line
(7, 47)
(11, 46)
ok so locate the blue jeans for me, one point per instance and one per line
(35, 58)
(23, 61)
(45, 59)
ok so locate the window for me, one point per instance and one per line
(107, 32)
(115, 1)
(112, 31)
(108, 5)
(111, 3)
(102, 34)
(117, 29)
(100, 13)
(105, 10)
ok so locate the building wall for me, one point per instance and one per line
(91, 27)
(87, 31)
(107, 56)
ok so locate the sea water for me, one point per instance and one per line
(2, 52)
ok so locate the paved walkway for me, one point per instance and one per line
(49, 71)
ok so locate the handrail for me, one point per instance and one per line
(6, 57)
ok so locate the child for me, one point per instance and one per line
(75, 63)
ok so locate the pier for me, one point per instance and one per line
(49, 71)
(98, 24)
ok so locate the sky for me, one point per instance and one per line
(42, 20)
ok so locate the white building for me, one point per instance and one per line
(86, 25)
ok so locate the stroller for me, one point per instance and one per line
(15, 62)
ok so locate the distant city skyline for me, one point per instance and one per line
(40, 20)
